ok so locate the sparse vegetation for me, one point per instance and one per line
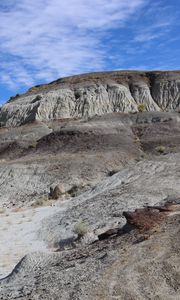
(161, 149)
(33, 145)
(17, 209)
(137, 140)
(173, 148)
(80, 229)
(141, 107)
(2, 210)
(43, 201)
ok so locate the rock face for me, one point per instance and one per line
(94, 94)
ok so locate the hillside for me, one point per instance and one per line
(94, 94)
(90, 189)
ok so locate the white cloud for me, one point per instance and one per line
(47, 39)
(147, 36)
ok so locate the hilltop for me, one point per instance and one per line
(93, 94)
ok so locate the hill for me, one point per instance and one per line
(90, 189)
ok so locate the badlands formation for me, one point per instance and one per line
(94, 94)
(90, 189)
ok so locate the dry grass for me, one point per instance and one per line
(43, 201)
(2, 210)
(17, 209)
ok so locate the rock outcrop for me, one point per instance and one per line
(94, 94)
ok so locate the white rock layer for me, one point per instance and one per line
(94, 97)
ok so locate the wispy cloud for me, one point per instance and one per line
(46, 39)
(146, 37)
(158, 21)
(43, 40)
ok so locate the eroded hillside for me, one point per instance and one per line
(76, 153)
(94, 94)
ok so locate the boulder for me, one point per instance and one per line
(57, 191)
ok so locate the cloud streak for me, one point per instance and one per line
(43, 40)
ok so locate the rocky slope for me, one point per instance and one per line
(78, 153)
(124, 264)
(94, 94)
(84, 156)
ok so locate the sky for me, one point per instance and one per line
(43, 40)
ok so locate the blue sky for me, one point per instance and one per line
(43, 40)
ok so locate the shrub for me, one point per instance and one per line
(33, 145)
(141, 107)
(173, 148)
(160, 149)
(80, 229)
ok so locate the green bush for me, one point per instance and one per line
(161, 149)
(80, 229)
(141, 107)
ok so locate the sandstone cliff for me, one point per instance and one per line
(87, 95)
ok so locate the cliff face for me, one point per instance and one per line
(94, 94)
